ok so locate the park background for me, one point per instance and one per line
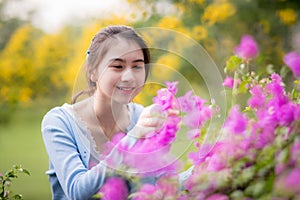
(39, 61)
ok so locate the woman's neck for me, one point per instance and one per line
(106, 108)
(109, 115)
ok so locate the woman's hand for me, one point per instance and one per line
(151, 119)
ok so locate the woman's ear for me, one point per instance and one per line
(94, 76)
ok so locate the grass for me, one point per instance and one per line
(21, 143)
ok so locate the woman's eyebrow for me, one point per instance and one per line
(138, 60)
(123, 61)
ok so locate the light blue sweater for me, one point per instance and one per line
(68, 147)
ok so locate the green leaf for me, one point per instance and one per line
(26, 172)
(256, 189)
(232, 63)
(243, 86)
(18, 196)
(284, 70)
(237, 194)
(98, 195)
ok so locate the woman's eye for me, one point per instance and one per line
(117, 66)
(137, 67)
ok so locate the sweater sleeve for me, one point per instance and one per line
(75, 179)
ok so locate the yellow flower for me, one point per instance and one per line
(287, 16)
(4, 91)
(199, 33)
(25, 95)
(170, 23)
(149, 91)
(165, 66)
(169, 60)
(200, 2)
(218, 12)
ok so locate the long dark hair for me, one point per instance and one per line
(99, 47)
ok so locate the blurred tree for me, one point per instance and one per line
(17, 76)
(219, 24)
(53, 52)
(7, 25)
(35, 64)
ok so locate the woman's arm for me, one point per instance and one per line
(75, 179)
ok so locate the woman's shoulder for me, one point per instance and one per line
(57, 113)
(58, 109)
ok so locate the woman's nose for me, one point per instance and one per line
(127, 75)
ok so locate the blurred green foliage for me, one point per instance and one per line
(6, 181)
(21, 143)
(35, 64)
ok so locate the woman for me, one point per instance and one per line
(74, 134)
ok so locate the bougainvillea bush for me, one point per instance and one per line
(257, 155)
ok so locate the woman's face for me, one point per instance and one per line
(121, 73)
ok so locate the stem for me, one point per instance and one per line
(234, 89)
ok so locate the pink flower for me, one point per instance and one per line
(229, 82)
(291, 181)
(193, 134)
(258, 97)
(202, 153)
(172, 86)
(263, 132)
(236, 122)
(114, 188)
(285, 114)
(247, 49)
(295, 152)
(196, 112)
(225, 151)
(218, 197)
(292, 60)
(148, 191)
(276, 88)
(189, 103)
(216, 162)
(165, 98)
(297, 112)
(196, 118)
(169, 185)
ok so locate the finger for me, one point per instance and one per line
(151, 122)
(153, 110)
(173, 112)
(142, 132)
(147, 132)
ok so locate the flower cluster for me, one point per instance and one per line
(154, 151)
(257, 155)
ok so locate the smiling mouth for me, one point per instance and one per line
(125, 88)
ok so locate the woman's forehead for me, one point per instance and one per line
(124, 48)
